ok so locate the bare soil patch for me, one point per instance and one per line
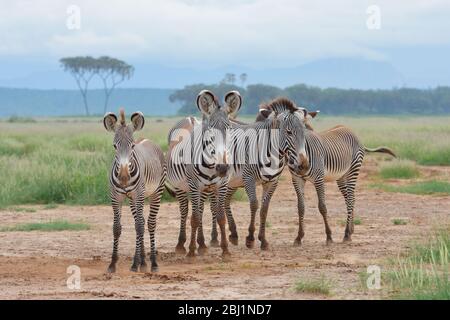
(33, 264)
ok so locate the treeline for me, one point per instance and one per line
(330, 100)
(38, 103)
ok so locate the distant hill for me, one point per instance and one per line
(343, 73)
(33, 102)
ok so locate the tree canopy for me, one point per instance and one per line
(112, 71)
(329, 100)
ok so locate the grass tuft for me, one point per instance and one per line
(55, 225)
(399, 222)
(399, 169)
(315, 286)
(424, 187)
(423, 273)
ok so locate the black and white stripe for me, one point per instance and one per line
(197, 164)
(138, 172)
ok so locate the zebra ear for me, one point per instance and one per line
(137, 120)
(109, 121)
(313, 114)
(233, 102)
(206, 102)
(263, 114)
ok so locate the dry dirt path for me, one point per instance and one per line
(33, 264)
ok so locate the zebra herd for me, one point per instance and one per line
(214, 157)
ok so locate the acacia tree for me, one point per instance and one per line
(82, 69)
(243, 78)
(112, 72)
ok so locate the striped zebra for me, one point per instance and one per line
(334, 155)
(266, 144)
(197, 165)
(138, 172)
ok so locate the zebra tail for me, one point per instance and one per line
(382, 150)
(170, 190)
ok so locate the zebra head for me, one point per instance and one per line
(291, 121)
(215, 128)
(124, 160)
(292, 139)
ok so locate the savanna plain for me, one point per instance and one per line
(55, 213)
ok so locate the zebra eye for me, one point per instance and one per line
(115, 146)
(289, 132)
(133, 145)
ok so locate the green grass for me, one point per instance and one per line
(54, 225)
(425, 187)
(67, 160)
(399, 169)
(315, 286)
(240, 195)
(356, 221)
(423, 273)
(50, 206)
(21, 209)
(399, 222)
(61, 162)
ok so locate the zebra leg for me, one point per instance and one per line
(350, 185)
(350, 202)
(117, 230)
(155, 203)
(299, 186)
(250, 189)
(221, 220)
(183, 202)
(137, 207)
(234, 239)
(268, 190)
(202, 248)
(214, 242)
(320, 189)
(195, 220)
(342, 185)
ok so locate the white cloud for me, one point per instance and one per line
(192, 32)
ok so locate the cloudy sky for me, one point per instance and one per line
(201, 34)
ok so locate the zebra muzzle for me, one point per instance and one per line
(222, 170)
(303, 164)
(124, 176)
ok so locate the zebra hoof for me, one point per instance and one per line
(264, 245)
(214, 243)
(134, 268)
(234, 239)
(191, 255)
(180, 250)
(297, 243)
(329, 242)
(111, 268)
(143, 268)
(226, 256)
(155, 268)
(202, 250)
(347, 239)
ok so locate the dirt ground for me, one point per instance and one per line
(33, 264)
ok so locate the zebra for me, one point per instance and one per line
(138, 172)
(334, 155)
(287, 124)
(197, 164)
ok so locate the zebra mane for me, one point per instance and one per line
(280, 105)
(122, 116)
